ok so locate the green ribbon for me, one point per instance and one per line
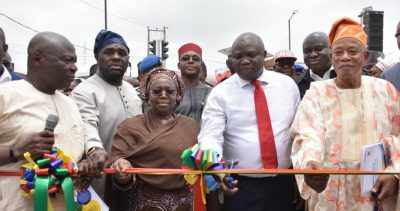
(41, 195)
(68, 189)
(41, 186)
(187, 160)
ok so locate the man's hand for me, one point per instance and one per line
(316, 182)
(385, 186)
(83, 181)
(229, 191)
(37, 145)
(120, 165)
(96, 163)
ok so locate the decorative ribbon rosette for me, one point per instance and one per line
(47, 176)
(202, 160)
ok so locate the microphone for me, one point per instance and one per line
(51, 122)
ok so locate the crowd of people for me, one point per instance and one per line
(280, 117)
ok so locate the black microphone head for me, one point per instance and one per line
(51, 122)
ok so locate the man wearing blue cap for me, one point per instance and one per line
(104, 100)
(149, 63)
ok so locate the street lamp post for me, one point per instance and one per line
(105, 14)
(294, 12)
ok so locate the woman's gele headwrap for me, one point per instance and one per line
(159, 73)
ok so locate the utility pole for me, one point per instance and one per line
(105, 14)
(293, 13)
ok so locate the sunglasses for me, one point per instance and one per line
(159, 92)
(188, 57)
(285, 63)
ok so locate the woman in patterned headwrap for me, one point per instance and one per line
(155, 139)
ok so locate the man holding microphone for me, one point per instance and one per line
(24, 107)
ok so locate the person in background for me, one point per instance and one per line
(269, 63)
(105, 100)
(149, 63)
(133, 81)
(389, 60)
(299, 70)
(155, 139)
(222, 74)
(7, 62)
(196, 92)
(339, 116)
(5, 74)
(93, 70)
(284, 63)
(72, 85)
(24, 107)
(244, 126)
(372, 60)
(393, 75)
(317, 57)
(229, 64)
(203, 74)
(9, 65)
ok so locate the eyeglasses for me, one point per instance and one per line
(285, 63)
(159, 92)
(186, 58)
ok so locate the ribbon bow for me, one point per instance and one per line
(47, 176)
(202, 160)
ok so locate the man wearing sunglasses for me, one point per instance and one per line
(284, 63)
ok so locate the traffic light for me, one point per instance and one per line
(164, 49)
(152, 47)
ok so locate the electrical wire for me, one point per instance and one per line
(130, 20)
(21, 24)
(13, 20)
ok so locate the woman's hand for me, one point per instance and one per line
(121, 177)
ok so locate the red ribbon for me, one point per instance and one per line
(229, 171)
(199, 193)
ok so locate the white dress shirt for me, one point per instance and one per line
(229, 122)
(5, 77)
(318, 78)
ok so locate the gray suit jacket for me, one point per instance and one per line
(393, 75)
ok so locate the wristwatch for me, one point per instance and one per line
(11, 156)
(91, 150)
